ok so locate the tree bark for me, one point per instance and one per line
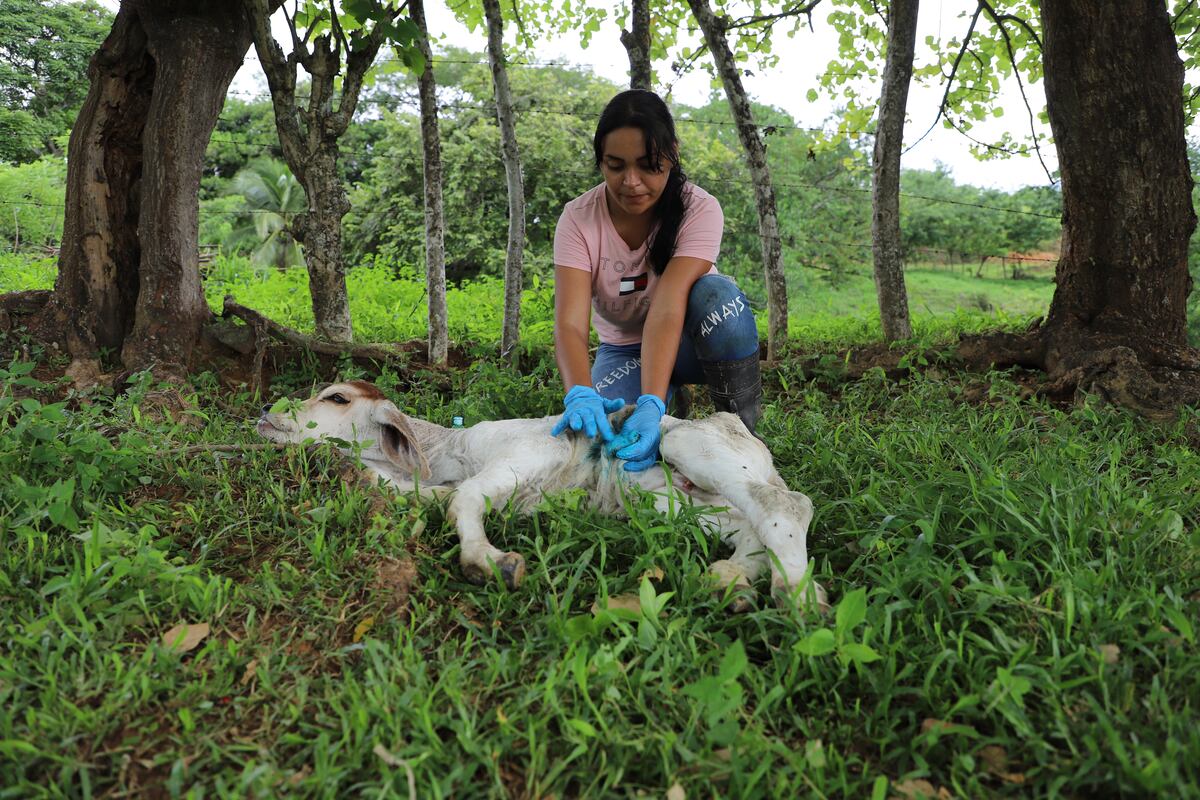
(756, 155)
(319, 230)
(637, 45)
(513, 263)
(128, 280)
(309, 137)
(1117, 321)
(435, 226)
(885, 197)
(1114, 93)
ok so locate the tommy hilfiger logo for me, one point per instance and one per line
(635, 284)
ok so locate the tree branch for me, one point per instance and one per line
(1012, 57)
(681, 68)
(281, 76)
(800, 9)
(335, 25)
(1182, 11)
(1024, 24)
(299, 46)
(521, 32)
(357, 63)
(988, 145)
(950, 78)
(377, 352)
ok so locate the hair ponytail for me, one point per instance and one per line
(669, 211)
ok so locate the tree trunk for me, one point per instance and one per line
(885, 198)
(1114, 92)
(309, 140)
(129, 280)
(756, 155)
(319, 230)
(516, 184)
(637, 45)
(1117, 322)
(435, 250)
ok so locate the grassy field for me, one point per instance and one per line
(942, 299)
(1028, 576)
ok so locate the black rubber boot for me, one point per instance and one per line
(736, 386)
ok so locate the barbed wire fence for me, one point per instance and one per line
(787, 184)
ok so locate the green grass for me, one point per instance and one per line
(1002, 547)
(388, 307)
(19, 272)
(942, 303)
(1029, 577)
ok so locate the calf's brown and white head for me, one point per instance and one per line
(354, 411)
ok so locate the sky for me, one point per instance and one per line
(802, 59)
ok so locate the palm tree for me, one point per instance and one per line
(273, 197)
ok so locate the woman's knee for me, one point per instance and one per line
(618, 376)
(719, 320)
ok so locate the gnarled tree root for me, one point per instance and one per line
(1152, 378)
(19, 304)
(253, 338)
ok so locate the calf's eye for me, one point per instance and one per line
(338, 398)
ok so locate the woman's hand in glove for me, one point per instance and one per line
(638, 440)
(587, 411)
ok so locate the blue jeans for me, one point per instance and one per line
(719, 326)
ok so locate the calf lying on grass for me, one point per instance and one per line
(715, 461)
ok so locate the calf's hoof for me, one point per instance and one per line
(741, 602)
(811, 596)
(511, 567)
(731, 581)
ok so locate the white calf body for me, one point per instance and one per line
(714, 460)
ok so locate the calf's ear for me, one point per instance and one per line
(398, 442)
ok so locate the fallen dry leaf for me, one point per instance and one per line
(1012, 777)
(654, 574)
(676, 792)
(185, 638)
(1109, 653)
(628, 602)
(299, 775)
(251, 668)
(995, 758)
(361, 629)
(920, 789)
(929, 723)
(723, 754)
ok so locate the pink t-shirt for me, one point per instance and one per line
(622, 280)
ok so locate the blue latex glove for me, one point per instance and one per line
(638, 440)
(587, 411)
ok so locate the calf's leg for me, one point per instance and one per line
(466, 509)
(748, 559)
(743, 567)
(719, 456)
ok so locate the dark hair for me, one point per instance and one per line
(644, 110)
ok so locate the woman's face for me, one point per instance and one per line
(634, 186)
